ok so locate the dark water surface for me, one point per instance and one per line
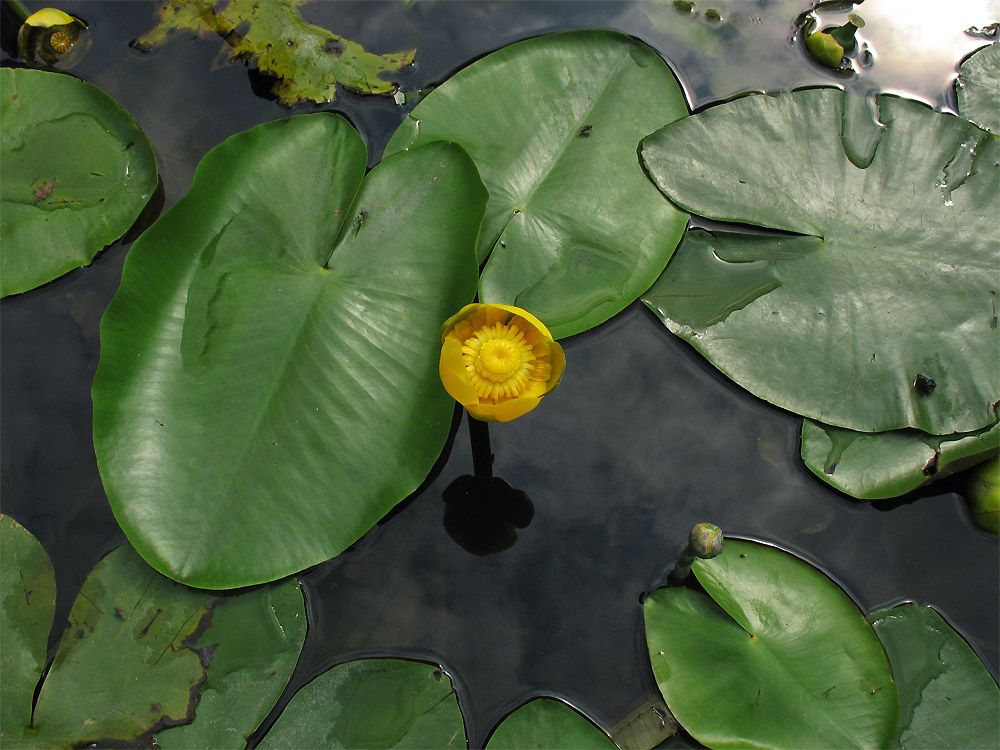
(642, 439)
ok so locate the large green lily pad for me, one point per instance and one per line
(28, 599)
(878, 465)
(307, 60)
(978, 87)
(372, 703)
(268, 386)
(75, 172)
(948, 698)
(548, 724)
(772, 655)
(879, 313)
(573, 231)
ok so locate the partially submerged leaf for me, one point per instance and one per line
(28, 603)
(773, 655)
(129, 641)
(274, 347)
(978, 87)
(372, 703)
(947, 696)
(255, 640)
(878, 465)
(879, 312)
(573, 231)
(76, 172)
(548, 724)
(309, 61)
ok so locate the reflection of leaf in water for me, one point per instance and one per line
(308, 60)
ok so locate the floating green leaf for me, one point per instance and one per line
(572, 232)
(29, 606)
(978, 87)
(549, 724)
(75, 172)
(309, 61)
(775, 655)
(880, 312)
(255, 641)
(878, 465)
(372, 703)
(274, 347)
(948, 698)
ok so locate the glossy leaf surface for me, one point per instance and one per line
(308, 61)
(947, 696)
(29, 605)
(372, 703)
(773, 655)
(75, 172)
(573, 233)
(273, 348)
(879, 313)
(548, 723)
(978, 87)
(878, 465)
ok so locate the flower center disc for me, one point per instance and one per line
(498, 360)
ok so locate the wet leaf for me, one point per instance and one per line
(947, 696)
(878, 465)
(978, 87)
(28, 606)
(309, 61)
(879, 311)
(255, 641)
(274, 347)
(129, 643)
(572, 232)
(372, 703)
(773, 654)
(548, 723)
(76, 172)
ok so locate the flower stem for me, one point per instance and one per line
(482, 454)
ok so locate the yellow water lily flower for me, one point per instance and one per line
(498, 361)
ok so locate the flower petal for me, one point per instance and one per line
(453, 375)
(504, 412)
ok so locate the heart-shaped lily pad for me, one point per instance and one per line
(879, 313)
(268, 386)
(546, 723)
(572, 232)
(948, 698)
(978, 87)
(372, 703)
(772, 655)
(878, 465)
(76, 172)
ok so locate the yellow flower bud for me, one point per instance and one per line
(498, 361)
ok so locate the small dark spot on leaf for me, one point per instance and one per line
(437, 675)
(291, 42)
(872, 359)
(359, 220)
(78, 634)
(44, 190)
(96, 174)
(931, 467)
(743, 554)
(872, 692)
(14, 98)
(119, 613)
(333, 48)
(584, 132)
(924, 384)
(128, 146)
(159, 611)
(829, 690)
(742, 182)
(158, 422)
(155, 707)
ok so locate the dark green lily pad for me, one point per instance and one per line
(274, 346)
(255, 640)
(573, 233)
(307, 60)
(947, 696)
(878, 465)
(773, 654)
(548, 724)
(879, 313)
(372, 703)
(978, 87)
(29, 606)
(75, 172)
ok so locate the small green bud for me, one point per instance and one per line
(983, 495)
(825, 49)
